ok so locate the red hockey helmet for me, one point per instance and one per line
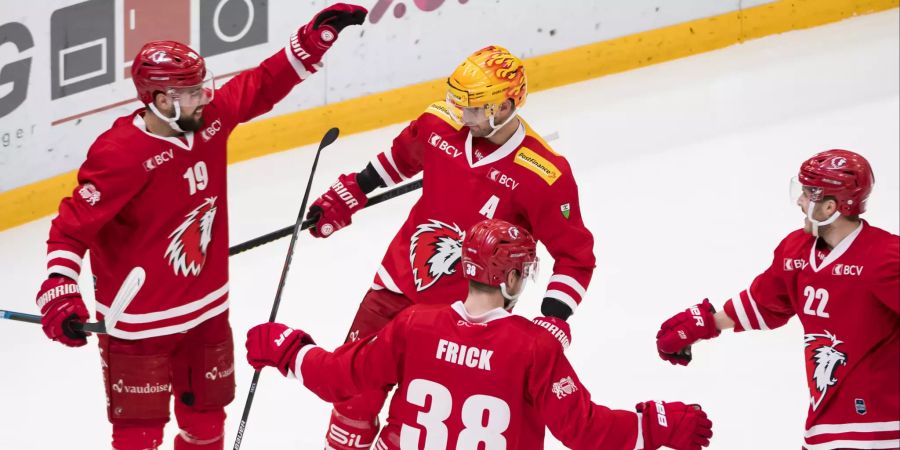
(166, 65)
(492, 248)
(841, 174)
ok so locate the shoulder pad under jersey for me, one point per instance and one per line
(441, 110)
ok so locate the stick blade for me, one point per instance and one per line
(330, 136)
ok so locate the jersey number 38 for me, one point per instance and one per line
(485, 419)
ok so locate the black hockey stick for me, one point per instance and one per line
(329, 137)
(92, 327)
(286, 231)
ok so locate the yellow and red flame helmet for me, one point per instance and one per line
(486, 79)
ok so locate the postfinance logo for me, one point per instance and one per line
(538, 164)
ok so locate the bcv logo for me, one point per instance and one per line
(794, 264)
(499, 177)
(211, 130)
(847, 269)
(439, 143)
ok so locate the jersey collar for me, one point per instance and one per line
(511, 145)
(141, 125)
(494, 314)
(836, 253)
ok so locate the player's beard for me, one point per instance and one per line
(189, 122)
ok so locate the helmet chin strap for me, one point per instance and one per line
(172, 121)
(815, 223)
(510, 298)
(497, 128)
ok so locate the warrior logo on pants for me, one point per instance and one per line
(434, 251)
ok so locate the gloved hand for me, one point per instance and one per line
(676, 335)
(275, 345)
(335, 207)
(674, 425)
(557, 327)
(312, 40)
(61, 305)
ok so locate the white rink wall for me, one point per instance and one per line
(683, 171)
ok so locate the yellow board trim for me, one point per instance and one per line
(545, 169)
(36, 200)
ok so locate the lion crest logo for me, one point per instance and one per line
(564, 387)
(434, 251)
(188, 244)
(823, 359)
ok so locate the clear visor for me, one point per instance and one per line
(468, 114)
(530, 270)
(197, 95)
(798, 190)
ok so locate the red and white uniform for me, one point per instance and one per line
(466, 180)
(160, 203)
(493, 381)
(848, 300)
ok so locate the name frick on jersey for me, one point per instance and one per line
(463, 355)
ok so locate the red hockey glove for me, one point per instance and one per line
(312, 40)
(275, 345)
(556, 327)
(676, 335)
(335, 207)
(674, 425)
(60, 302)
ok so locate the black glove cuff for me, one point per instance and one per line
(555, 308)
(369, 180)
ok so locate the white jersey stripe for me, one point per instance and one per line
(390, 159)
(64, 254)
(298, 362)
(870, 427)
(388, 181)
(388, 281)
(172, 312)
(64, 271)
(165, 331)
(563, 297)
(759, 317)
(856, 444)
(570, 282)
(738, 303)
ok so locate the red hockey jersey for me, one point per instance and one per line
(491, 381)
(466, 180)
(848, 301)
(160, 203)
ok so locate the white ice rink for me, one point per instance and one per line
(683, 170)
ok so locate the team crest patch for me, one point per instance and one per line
(435, 250)
(823, 360)
(565, 208)
(187, 248)
(89, 194)
(564, 387)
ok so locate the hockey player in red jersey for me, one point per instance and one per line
(478, 159)
(152, 194)
(471, 375)
(841, 277)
